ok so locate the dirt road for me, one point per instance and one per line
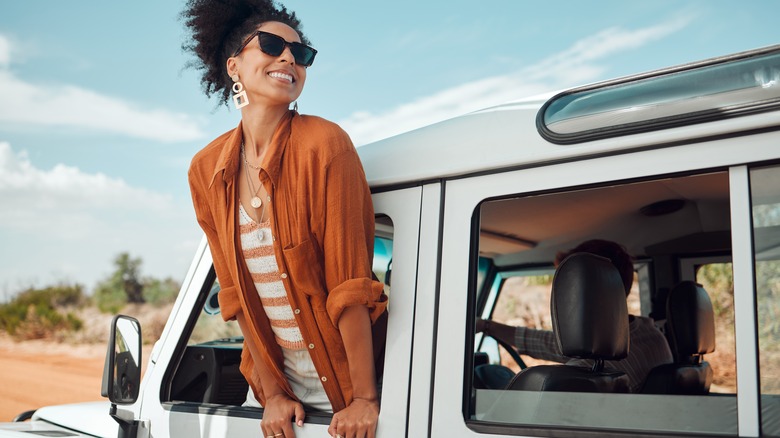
(35, 374)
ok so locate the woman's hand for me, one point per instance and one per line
(278, 411)
(358, 420)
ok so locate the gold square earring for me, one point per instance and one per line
(240, 98)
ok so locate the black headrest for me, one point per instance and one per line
(588, 308)
(690, 319)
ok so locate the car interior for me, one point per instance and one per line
(673, 226)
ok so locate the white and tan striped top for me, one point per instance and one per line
(258, 250)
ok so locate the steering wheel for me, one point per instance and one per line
(511, 350)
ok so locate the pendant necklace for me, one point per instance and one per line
(256, 202)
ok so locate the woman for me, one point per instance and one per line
(287, 212)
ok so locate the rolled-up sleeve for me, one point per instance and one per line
(229, 304)
(348, 240)
(358, 291)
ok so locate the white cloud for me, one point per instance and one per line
(65, 188)
(71, 224)
(599, 46)
(65, 105)
(573, 66)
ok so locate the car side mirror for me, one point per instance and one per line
(122, 370)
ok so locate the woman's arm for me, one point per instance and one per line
(361, 416)
(354, 299)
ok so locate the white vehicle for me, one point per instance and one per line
(681, 166)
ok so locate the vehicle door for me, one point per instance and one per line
(193, 387)
(461, 410)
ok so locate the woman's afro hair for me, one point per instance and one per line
(218, 27)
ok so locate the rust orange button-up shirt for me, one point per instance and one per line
(323, 226)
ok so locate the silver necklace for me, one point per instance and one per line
(256, 202)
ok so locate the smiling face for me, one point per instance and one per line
(269, 80)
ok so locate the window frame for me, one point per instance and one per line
(464, 196)
(644, 266)
(768, 415)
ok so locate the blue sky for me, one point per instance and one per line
(99, 117)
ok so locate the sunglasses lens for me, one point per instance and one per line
(271, 44)
(304, 55)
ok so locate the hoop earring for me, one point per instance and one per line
(295, 106)
(240, 98)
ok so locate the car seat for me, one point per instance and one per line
(690, 327)
(590, 321)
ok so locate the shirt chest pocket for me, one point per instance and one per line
(305, 269)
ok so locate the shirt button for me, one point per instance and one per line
(284, 275)
(311, 346)
(297, 311)
(324, 379)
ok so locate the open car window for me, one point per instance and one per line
(663, 223)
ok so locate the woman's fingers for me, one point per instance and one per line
(274, 429)
(285, 431)
(333, 425)
(354, 422)
(300, 415)
(278, 416)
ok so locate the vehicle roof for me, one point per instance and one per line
(469, 143)
(506, 136)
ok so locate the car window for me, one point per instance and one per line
(210, 326)
(718, 281)
(659, 222)
(765, 197)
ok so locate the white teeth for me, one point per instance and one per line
(279, 75)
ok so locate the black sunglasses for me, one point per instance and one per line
(274, 45)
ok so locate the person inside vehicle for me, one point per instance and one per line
(648, 347)
(285, 206)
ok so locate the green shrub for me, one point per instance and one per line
(125, 286)
(34, 313)
(160, 291)
(718, 281)
(74, 322)
(109, 296)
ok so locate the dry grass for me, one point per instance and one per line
(97, 324)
